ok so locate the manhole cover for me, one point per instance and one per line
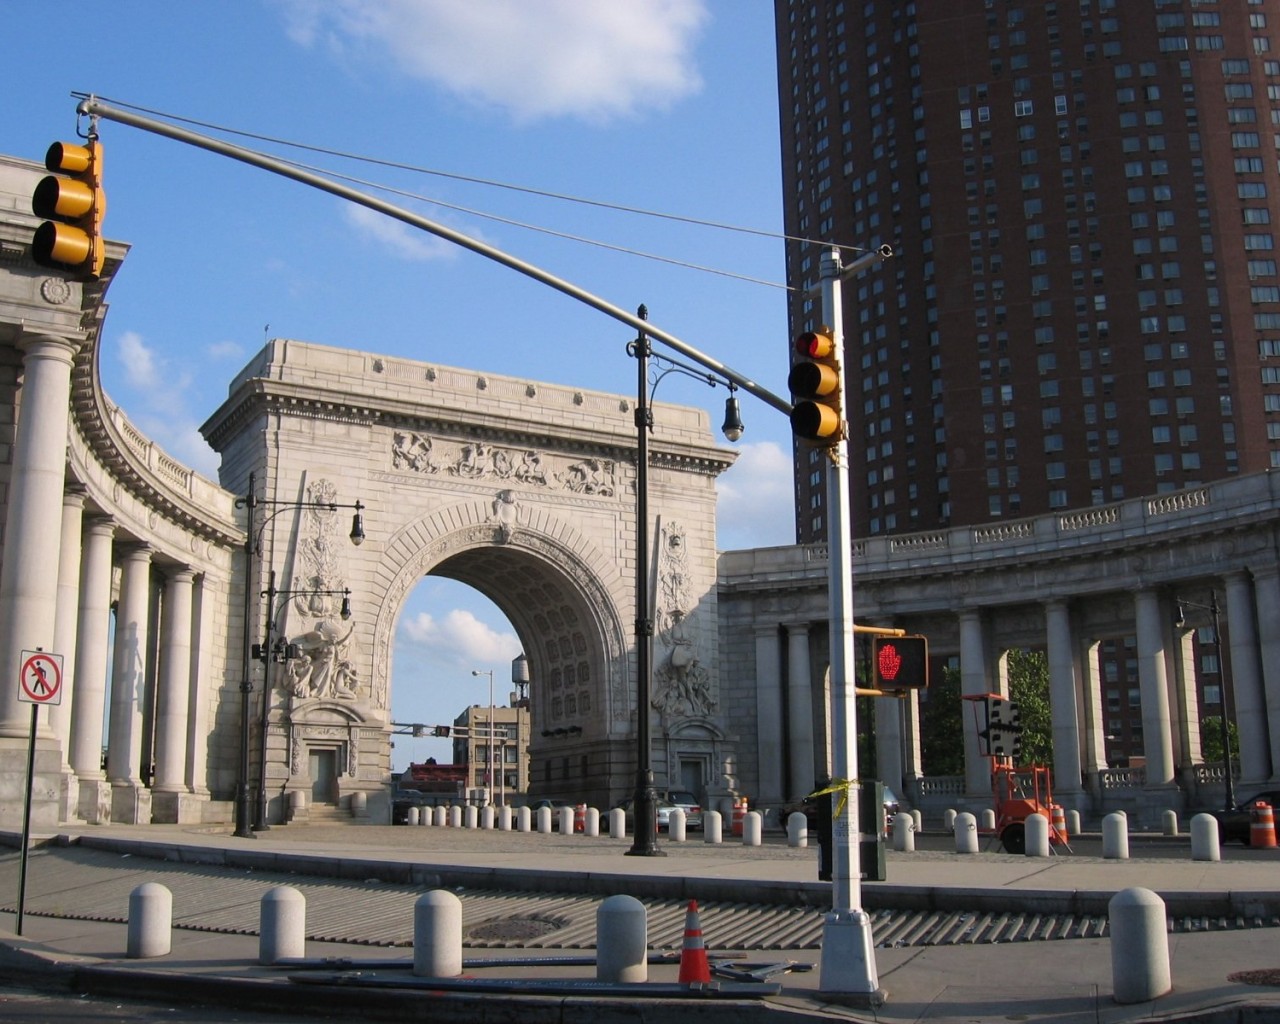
(515, 929)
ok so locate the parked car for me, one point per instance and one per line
(688, 803)
(401, 801)
(1235, 823)
(809, 808)
(662, 808)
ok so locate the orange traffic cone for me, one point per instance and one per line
(693, 955)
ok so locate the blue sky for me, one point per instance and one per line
(658, 105)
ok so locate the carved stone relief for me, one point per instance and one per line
(683, 684)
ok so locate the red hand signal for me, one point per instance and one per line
(890, 661)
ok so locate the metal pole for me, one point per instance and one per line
(91, 106)
(848, 956)
(1229, 792)
(260, 810)
(493, 739)
(645, 797)
(242, 830)
(26, 819)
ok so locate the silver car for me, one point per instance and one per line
(688, 803)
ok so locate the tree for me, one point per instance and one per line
(1029, 689)
(942, 725)
(1211, 739)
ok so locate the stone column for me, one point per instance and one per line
(65, 630)
(1187, 750)
(1060, 654)
(802, 771)
(1153, 682)
(975, 677)
(196, 772)
(130, 801)
(88, 710)
(1247, 700)
(1266, 595)
(769, 714)
(172, 698)
(1091, 700)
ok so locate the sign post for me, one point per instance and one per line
(39, 682)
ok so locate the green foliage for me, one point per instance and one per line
(1029, 689)
(1211, 739)
(942, 724)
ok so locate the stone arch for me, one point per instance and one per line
(559, 591)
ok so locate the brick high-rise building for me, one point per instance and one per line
(1085, 198)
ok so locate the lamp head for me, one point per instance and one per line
(357, 526)
(732, 428)
(1179, 616)
(346, 605)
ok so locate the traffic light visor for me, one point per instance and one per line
(815, 345)
(68, 158)
(816, 379)
(59, 244)
(61, 197)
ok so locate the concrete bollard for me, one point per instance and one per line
(566, 821)
(437, 935)
(282, 925)
(1073, 822)
(504, 818)
(752, 828)
(488, 816)
(618, 823)
(524, 819)
(918, 817)
(411, 816)
(966, 832)
(441, 816)
(1169, 822)
(712, 827)
(904, 833)
(471, 816)
(797, 829)
(297, 804)
(676, 826)
(1037, 836)
(591, 827)
(424, 816)
(542, 820)
(988, 820)
(455, 817)
(1139, 946)
(359, 804)
(622, 940)
(1115, 836)
(949, 819)
(150, 921)
(1204, 838)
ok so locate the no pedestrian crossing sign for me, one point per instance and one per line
(40, 678)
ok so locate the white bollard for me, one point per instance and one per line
(471, 816)
(618, 823)
(487, 816)
(1139, 946)
(441, 815)
(949, 819)
(424, 816)
(524, 820)
(988, 819)
(712, 827)
(150, 921)
(676, 826)
(359, 804)
(504, 818)
(797, 829)
(1169, 822)
(437, 935)
(904, 833)
(282, 925)
(1037, 836)
(752, 827)
(411, 816)
(622, 940)
(1115, 836)
(455, 817)
(543, 820)
(1073, 822)
(1204, 838)
(566, 821)
(591, 827)
(966, 832)
(918, 817)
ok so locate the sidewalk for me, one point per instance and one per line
(1067, 980)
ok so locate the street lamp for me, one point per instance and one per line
(492, 731)
(1229, 792)
(645, 797)
(252, 547)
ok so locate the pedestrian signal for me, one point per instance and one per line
(899, 662)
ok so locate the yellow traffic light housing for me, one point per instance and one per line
(73, 204)
(817, 415)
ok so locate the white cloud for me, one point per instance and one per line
(226, 350)
(403, 241)
(590, 59)
(755, 504)
(459, 636)
(141, 368)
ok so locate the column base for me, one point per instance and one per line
(45, 784)
(68, 794)
(848, 964)
(93, 801)
(168, 808)
(130, 803)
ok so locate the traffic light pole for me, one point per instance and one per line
(848, 967)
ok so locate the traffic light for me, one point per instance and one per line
(817, 415)
(899, 662)
(73, 204)
(440, 730)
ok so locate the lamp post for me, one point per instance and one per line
(645, 797)
(252, 548)
(492, 731)
(1229, 789)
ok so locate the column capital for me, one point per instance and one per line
(180, 574)
(56, 346)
